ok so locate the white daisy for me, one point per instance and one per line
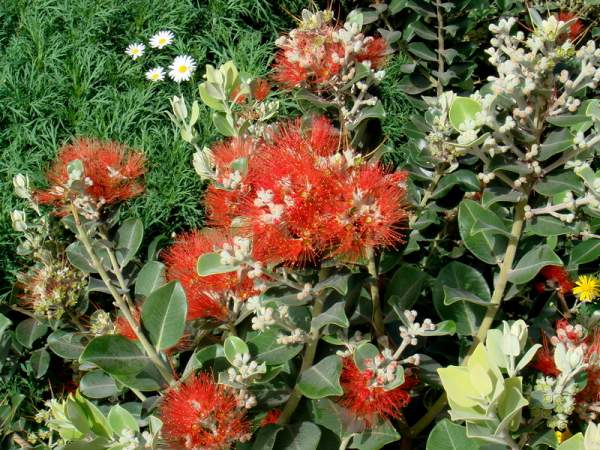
(181, 68)
(135, 50)
(161, 39)
(156, 74)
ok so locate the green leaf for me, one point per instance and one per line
(423, 31)
(266, 348)
(449, 436)
(208, 98)
(532, 262)
(585, 252)
(339, 282)
(120, 420)
(557, 183)
(328, 414)
(129, 238)
(116, 355)
(223, 124)
(300, 436)
(453, 295)
(98, 384)
(547, 226)
(28, 331)
(463, 109)
(336, 315)
(486, 220)
(148, 379)
(463, 178)
(234, 346)
(150, 278)
(322, 379)
(403, 290)
(266, 437)
(4, 324)
(96, 420)
(210, 264)
(487, 245)
(466, 315)
(575, 442)
(364, 352)
(421, 50)
(78, 257)
(375, 438)
(164, 313)
(568, 120)
(556, 142)
(67, 345)
(40, 360)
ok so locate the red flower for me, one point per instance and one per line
(207, 296)
(370, 213)
(544, 359)
(271, 418)
(369, 402)
(111, 173)
(123, 327)
(576, 28)
(558, 278)
(260, 89)
(319, 57)
(200, 414)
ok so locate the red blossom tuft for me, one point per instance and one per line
(112, 172)
(558, 278)
(271, 417)
(207, 296)
(576, 28)
(123, 327)
(260, 89)
(376, 51)
(371, 403)
(200, 414)
(544, 359)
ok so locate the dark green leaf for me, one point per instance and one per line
(375, 438)
(164, 313)
(335, 315)
(78, 257)
(556, 142)
(555, 184)
(339, 282)
(531, 263)
(67, 345)
(421, 50)
(266, 436)
(450, 436)
(488, 246)
(585, 252)
(547, 226)
(116, 355)
(300, 436)
(98, 384)
(129, 238)
(266, 348)
(322, 379)
(463, 178)
(40, 360)
(28, 331)
(150, 278)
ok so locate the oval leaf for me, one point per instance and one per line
(164, 313)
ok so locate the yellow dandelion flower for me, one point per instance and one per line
(587, 288)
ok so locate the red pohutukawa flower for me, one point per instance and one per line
(544, 359)
(122, 326)
(271, 417)
(368, 402)
(260, 89)
(207, 296)
(200, 414)
(111, 172)
(576, 27)
(224, 197)
(556, 278)
(319, 54)
(308, 200)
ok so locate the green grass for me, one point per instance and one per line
(64, 74)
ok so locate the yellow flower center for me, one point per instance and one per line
(182, 69)
(162, 41)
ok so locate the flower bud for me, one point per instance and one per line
(21, 185)
(19, 220)
(179, 108)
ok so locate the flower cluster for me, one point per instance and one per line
(208, 296)
(199, 413)
(91, 174)
(559, 391)
(319, 55)
(366, 396)
(181, 68)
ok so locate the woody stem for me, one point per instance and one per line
(307, 361)
(120, 300)
(375, 297)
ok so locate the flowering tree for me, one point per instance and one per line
(333, 302)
